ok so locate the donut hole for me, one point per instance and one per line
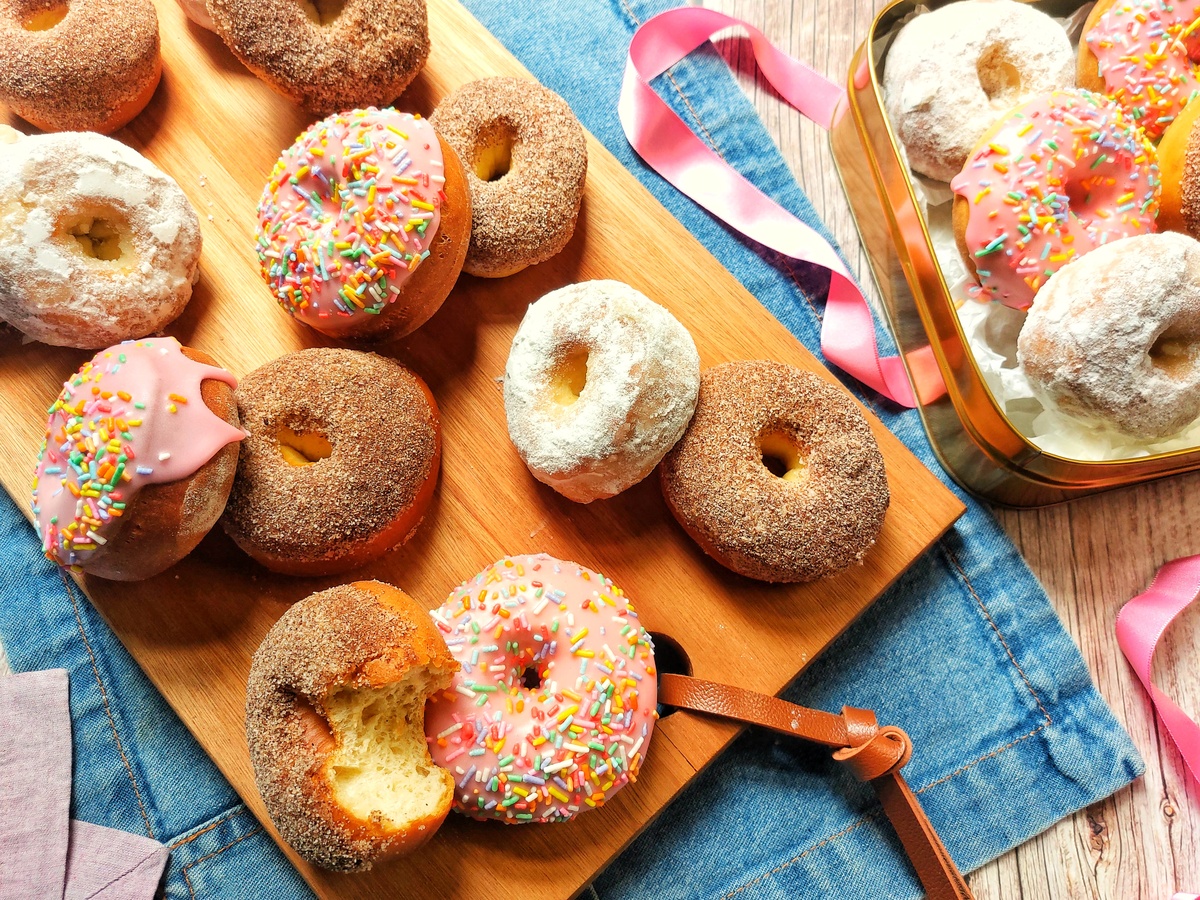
(46, 18)
(1172, 353)
(493, 156)
(104, 238)
(323, 12)
(669, 656)
(782, 456)
(998, 77)
(303, 448)
(380, 769)
(531, 678)
(569, 376)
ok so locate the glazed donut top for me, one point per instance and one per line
(1143, 49)
(1020, 183)
(54, 186)
(952, 71)
(131, 416)
(542, 753)
(350, 211)
(1115, 336)
(69, 67)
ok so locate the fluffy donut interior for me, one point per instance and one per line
(782, 456)
(381, 770)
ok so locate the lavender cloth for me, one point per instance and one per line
(44, 854)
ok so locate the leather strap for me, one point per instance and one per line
(872, 753)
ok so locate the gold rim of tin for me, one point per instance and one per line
(977, 409)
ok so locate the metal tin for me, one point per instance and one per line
(973, 439)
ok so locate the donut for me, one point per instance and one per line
(778, 477)
(335, 707)
(1051, 181)
(1179, 168)
(526, 160)
(1114, 338)
(327, 55)
(950, 73)
(364, 224)
(138, 460)
(553, 708)
(86, 65)
(97, 245)
(339, 463)
(197, 12)
(600, 383)
(1138, 53)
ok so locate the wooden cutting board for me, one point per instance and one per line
(218, 131)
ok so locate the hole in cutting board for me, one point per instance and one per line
(669, 656)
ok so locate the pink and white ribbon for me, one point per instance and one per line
(669, 147)
(1141, 624)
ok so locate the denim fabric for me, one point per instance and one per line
(964, 651)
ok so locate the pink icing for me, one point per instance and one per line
(542, 754)
(131, 416)
(350, 211)
(1059, 176)
(1146, 49)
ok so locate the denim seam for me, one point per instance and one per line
(987, 615)
(976, 762)
(187, 879)
(853, 826)
(107, 709)
(221, 821)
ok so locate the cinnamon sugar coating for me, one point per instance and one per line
(528, 213)
(368, 495)
(365, 55)
(92, 71)
(758, 523)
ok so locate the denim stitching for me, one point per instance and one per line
(976, 762)
(187, 879)
(225, 818)
(107, 709)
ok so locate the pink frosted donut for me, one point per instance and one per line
(542, 753)
(1138, 52)
(1055, 178)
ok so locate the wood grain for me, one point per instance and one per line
(1091, 555)
(194, 627)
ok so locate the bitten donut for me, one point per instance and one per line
(778, 477)
(86, 65)
(526, 159)
(364, 224)
(950, 73)
(335, 707)
(97, 245)
(1115, 336)
(1053, 180)
(138, 460)
(339, 464)
(553, 709)
(327, 54)
(599, 385)
(1138, 53)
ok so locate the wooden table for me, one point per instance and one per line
(1092, 555)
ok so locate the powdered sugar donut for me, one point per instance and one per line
(1115, 336)
(97, 245)
(554, 707)
(951, 72)
(600, 383)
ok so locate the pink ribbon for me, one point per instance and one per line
(669, 147)
(1140, 625)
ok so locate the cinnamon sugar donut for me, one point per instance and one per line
(1114, 337)
(778, 477)
(600, 383)
(950, 72)
(339, 464)
(86, 65)
(1179, 168)
(526, 159)
(329, 55)
(97, 245)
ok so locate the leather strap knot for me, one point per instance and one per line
(887, 752)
